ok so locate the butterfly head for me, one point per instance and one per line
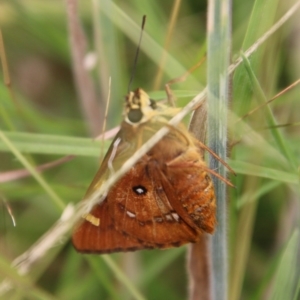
(139, 108)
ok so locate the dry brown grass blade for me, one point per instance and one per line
(23, 173)
(198, 257)
(86, 90)
(199, 266)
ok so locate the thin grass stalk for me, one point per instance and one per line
(170, 31)
(218, 60)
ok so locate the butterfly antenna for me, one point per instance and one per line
(137, 53)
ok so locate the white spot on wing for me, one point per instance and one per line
(139, 190)
(169, 217)
(130, 214)
(175, 217)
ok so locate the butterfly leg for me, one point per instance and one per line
(203, 146)
(170, 95)
(190, 159)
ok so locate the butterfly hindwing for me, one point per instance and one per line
(104, 238)
(140, 208)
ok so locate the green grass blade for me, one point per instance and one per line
(55, 198)
(286, 281)
(241, 167)
(52, 144)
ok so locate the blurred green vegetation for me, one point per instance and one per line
(45, 121)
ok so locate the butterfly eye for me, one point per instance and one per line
(139, 190)
(153, 104)
(135, 115)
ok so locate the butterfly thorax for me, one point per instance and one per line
(140, 108)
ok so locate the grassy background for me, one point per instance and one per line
(263, 209)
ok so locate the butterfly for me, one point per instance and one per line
(165, 200)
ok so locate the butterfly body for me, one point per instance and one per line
(165, 200)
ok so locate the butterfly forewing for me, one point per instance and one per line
(127, 141)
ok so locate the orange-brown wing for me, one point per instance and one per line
(141, 209)
(135, 215)
(103, 238)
